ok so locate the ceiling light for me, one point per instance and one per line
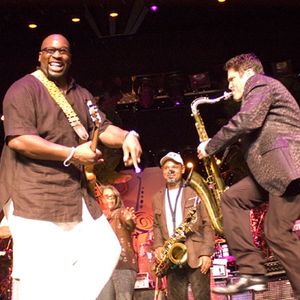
(113, 14)
(221, 1)
(32, 25)
(75, 19)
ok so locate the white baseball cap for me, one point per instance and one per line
(172, 156)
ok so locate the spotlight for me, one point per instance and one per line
(190, 165)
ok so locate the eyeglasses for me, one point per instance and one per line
(52, 50)
(109, 196)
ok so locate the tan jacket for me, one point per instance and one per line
(200, 242)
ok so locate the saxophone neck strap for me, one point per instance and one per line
(63, 103)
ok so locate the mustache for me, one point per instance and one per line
(171, 172)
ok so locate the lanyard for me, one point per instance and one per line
(173, 211)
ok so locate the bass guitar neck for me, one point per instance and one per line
(89, 169)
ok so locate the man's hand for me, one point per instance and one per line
(204, 264)
(201, 149)
(115, 137)
(84, 155)
(132, 150)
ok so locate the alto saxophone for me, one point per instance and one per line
(174, 252)
(208, 190)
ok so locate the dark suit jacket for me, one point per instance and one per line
(200, 242)
(269, 124)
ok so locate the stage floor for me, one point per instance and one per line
(278, 289)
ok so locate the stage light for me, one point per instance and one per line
(218, 161)
(190, 165)
(153, 7)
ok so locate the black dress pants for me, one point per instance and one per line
(278, 224)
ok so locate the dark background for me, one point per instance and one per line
(184, 37)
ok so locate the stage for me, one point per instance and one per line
(279, 288)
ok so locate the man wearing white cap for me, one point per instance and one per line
(170, 207)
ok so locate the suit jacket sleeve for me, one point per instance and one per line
(157, 232)
(201, 241)
(254, 109)
(203, 236)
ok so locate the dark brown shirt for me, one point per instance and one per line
(44, 189)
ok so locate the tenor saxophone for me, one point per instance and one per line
(211, 188)
(174, 253)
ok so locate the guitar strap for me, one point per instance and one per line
(63, 103)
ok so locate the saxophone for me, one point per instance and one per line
(208, 190)
(174, 252)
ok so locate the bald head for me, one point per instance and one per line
(55, 39)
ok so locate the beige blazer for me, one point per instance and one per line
(200, 242)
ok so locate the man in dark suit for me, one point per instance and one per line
(268, 125)
(171, 205)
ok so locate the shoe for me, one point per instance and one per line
(257, 283)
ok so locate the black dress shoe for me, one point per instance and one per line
(257, 283)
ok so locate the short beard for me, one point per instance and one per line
(173, 182)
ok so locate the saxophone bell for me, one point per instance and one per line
(178, 254)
